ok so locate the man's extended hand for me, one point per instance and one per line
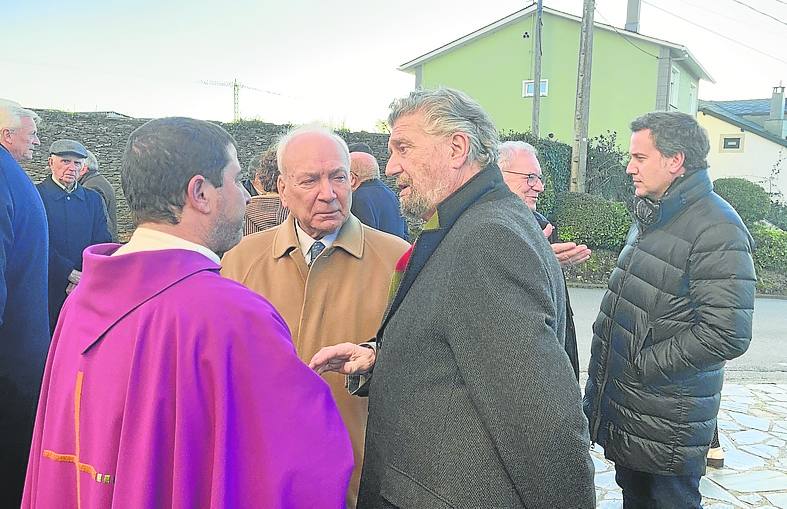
(568, 253)
(344, 358)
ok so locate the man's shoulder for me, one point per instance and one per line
(96, 181)
(508, 212)
(215, 296)
(383, 242)
(91, 195)
(252, 249)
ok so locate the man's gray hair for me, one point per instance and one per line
(91, 162)
(674, 132)
(11, 114)
(447, 111)
(508, 149)
(286, 138)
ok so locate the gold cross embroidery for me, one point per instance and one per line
(74, 458)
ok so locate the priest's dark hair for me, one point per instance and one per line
(160, 159)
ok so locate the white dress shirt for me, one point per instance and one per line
(306, 242)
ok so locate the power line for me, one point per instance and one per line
(770, 28)
(760, 12)
(628, 40)
(716, 33)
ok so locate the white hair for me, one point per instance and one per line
(91, 162)
(11, 114)
(286, 138)
(508, 149)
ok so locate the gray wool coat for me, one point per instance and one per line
(473, 402)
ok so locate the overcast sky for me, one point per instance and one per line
(329, 61)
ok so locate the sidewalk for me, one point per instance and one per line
(753, 432)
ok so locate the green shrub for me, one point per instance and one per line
(778, 215)
(606, 171)
(591, 220)
(750, 200)
(770, 250)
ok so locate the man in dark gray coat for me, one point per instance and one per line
(90, 178)
(472, 400)
(679, 305)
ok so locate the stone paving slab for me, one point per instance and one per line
(753, 432)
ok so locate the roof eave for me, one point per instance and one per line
(761, 132)
(410, 65)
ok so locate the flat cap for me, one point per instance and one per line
(68, 147)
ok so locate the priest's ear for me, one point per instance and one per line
(200, 194)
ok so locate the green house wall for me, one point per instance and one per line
(491, 69)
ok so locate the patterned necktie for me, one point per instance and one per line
(315, 251)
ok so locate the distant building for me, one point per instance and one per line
(748, 139)
(632, 73)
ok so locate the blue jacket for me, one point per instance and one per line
(76, 220)
(377, 206)
(24, 324)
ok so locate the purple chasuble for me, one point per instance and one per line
(167, 385)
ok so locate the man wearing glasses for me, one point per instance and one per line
(522, 174)
(76, 216)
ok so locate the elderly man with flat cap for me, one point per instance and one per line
(77, 219)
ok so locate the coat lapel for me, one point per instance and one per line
(485, 186)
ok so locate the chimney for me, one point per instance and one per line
(775, 123)
(632, 16)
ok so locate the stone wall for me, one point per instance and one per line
(106, 134)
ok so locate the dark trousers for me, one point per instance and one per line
(652, 491)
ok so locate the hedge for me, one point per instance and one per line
(770, 251)
(750, 200)
(591, 220)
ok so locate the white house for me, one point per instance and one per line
(747, 140)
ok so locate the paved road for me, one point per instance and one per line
(767, 353)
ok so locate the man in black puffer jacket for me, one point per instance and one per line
(679, 304)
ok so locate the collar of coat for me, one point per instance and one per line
(350, 237)
(49, 185)
(684, 191)
(487, 185)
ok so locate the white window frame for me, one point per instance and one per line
(740, 136)
(674, 86)
(544, 88)
(693, 96)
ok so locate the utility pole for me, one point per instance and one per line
(537, 71)
(579, 149)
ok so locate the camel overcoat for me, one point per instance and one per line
(341, 297)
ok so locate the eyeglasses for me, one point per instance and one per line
(531, 177)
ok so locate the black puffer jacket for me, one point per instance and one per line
(679, 305)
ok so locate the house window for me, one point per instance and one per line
(674, 86)
(731, 143)
(528, 90)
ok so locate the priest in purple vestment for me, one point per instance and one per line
(167, 385)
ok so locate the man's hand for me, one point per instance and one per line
(70, 288)
(568, 253)
(344, 358)
(548, 229)
(74, 277)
